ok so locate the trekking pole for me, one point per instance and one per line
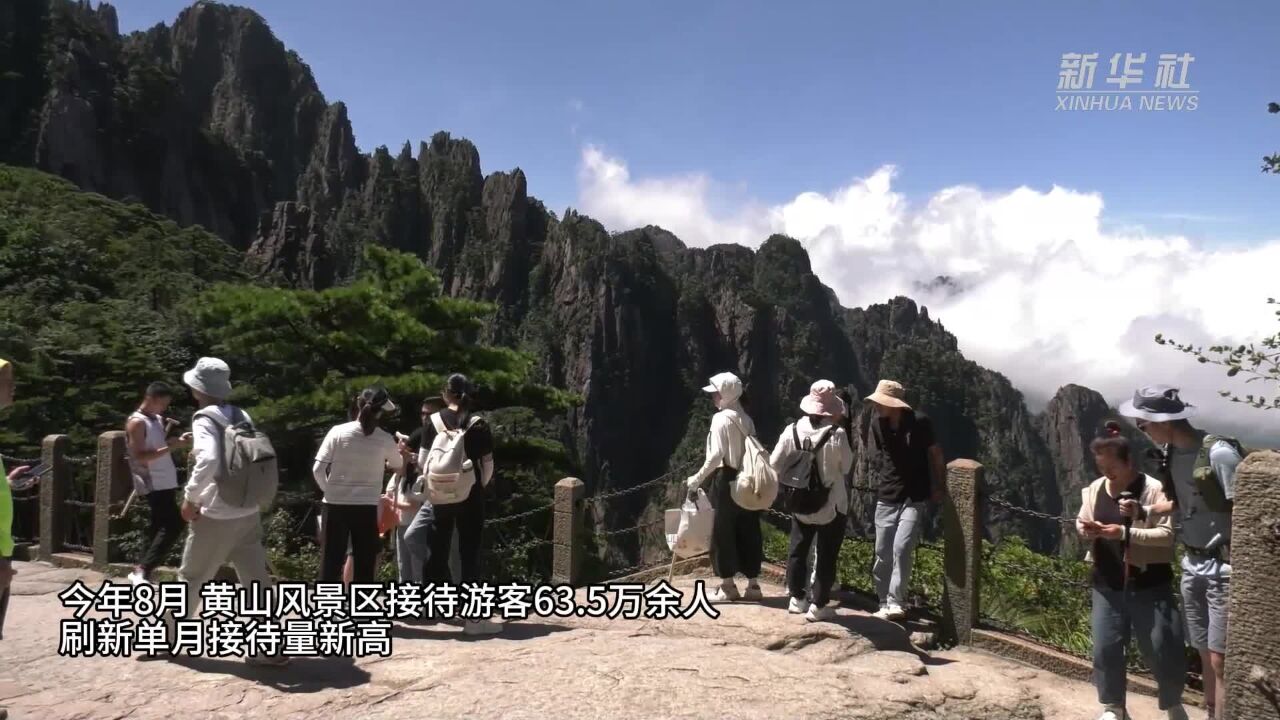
(128, 501)
(1124, 589)
(1128, 526)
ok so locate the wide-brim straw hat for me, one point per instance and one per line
(889, 393)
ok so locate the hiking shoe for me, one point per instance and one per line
(1177, 712)
(753, 593)
(882, 613)
(797, 606)
(820, 614)
(138, 578)
(482, 627)
(267, 660)
(1113, 713)
(725, 593)
(893, 611)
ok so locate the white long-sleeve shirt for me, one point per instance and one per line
(202, 488)
(835, 459)
(726, 443)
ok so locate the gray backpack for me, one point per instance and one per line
(248, 474)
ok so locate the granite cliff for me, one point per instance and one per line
(211, 121)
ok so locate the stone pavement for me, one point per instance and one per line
(755, 661)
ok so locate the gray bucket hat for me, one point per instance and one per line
(210, 376)
(1157, 403)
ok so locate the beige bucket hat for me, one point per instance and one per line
(890, 394)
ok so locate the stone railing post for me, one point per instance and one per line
(112, 487)
(962, 531)
(566, 558)
(54, 489)
(1253, 607)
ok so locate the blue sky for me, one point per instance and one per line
(771, 99)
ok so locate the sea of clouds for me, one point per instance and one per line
(1038, 287)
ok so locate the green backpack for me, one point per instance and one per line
(1204, 477)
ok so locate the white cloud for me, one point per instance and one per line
(1049, 296)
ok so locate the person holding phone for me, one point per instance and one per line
(1132, 580)
(151, 457)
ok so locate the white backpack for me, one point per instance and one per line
(450, 475)
(756, 486)
(248, 473)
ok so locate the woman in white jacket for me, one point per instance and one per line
(820, 432)
(736, 543)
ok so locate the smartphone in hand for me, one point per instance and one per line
(30, 476)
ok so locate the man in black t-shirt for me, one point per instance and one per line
(903, 448)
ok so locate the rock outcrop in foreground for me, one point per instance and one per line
(755, 661)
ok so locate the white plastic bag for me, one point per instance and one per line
(689, 528)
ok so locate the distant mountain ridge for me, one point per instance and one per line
(212, 121)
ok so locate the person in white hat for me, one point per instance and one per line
(816, 443)
(1202, 471)
(220, 532)
(903, 448)
(737, 545)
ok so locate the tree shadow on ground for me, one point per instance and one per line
(303, 675)
(513, 630)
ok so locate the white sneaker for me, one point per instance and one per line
(137, 578)
(820, 614)
(482, 627)
(1113, 713)
(894, 611)
(753, 593)
(1177, 712)
(725, 593)
(797, 606)
(267, 660)
(882, 613)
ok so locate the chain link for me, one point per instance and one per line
(1002, 503)
(1042, 574)
(12, 462)
(520, 515)
(633, 528)
(628, 491)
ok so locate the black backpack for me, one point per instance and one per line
(801, 486)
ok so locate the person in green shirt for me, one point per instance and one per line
(6, 509)
(6, 505)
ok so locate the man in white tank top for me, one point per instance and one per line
(151, 457)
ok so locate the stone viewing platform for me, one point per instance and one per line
(754, 661)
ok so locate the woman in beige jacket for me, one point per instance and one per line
(1132, 581)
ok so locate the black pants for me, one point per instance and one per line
(468, 517)
(357, 524)
(164, 530)
(736, 543)
(830, 536)
(5, 565)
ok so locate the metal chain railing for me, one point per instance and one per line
(633, 528)
(1005, 504)
(597, 499)
(520, 515)
(13, 462)
(1036, 572)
